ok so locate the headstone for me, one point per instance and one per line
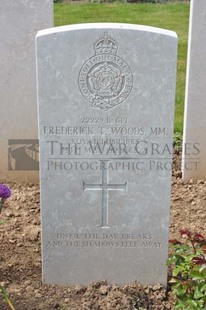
(194, 142)
(106, 104)
(19, 22)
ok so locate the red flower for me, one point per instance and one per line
(198, 238)
(199, 260)
(185, 233)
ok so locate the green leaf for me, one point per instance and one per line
(198, 294)
(179, 305)
(193, 304)
(203, 268)
(200, 304)
(6, 297)
(171, 260)
(196, 275)
(177, 270)
(180, 292)
(202, 288)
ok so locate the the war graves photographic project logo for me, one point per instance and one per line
(23, 154)
(105, 79)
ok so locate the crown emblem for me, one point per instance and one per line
(106, 45)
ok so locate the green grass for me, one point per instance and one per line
(169, 16)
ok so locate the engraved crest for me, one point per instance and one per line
(105, 79)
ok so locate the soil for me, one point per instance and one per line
(20, 255)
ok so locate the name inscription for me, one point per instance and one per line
(114, 130)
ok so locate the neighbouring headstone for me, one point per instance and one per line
(106, 104)
(19, 22)
(194, 142)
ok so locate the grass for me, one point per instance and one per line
(169, 16)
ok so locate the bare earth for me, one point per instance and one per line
(20, 256)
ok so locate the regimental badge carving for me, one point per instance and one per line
(105, 79)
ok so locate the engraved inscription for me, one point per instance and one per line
(105, 79)
(105, 187)
(104, 244)
(104, 240)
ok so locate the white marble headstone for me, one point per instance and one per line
(106, 106)
(19, 22)
(194, 141)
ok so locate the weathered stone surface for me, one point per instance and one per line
(194, 142)
(106, 106)
(19, 22)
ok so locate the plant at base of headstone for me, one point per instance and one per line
(5, 193)
(177, 142)
(188, 263)
(6, 297)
